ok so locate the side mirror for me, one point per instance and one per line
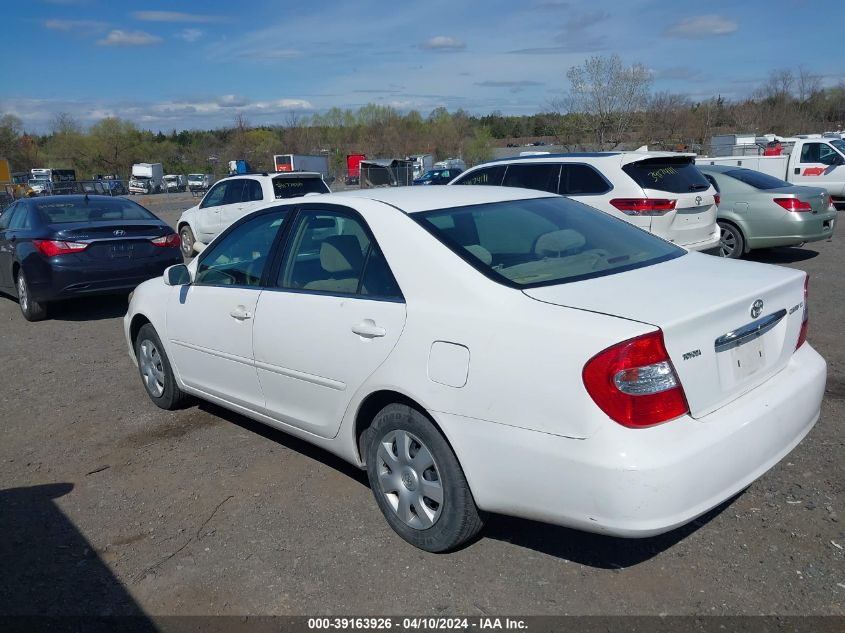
(177, 275)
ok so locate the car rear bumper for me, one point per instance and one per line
(812, 229)
(710, 243)
(52, 283)
(640, 482)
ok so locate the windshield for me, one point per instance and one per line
(675, 175)
(434, 173)
(538, 242)
(194, 176)
(171, 178)
(140, 177)
(92, 210)
(294, 187)
(756, 179)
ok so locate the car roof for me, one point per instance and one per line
(622, 157)
(277, 174)
(419, 199)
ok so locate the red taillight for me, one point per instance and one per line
(717, 199)
(830, 205)
(643, 206)
(635, 383)
(167, 241)
(794, 204)
(51, 248)
(802, 334)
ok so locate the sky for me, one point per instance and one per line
(187, 64)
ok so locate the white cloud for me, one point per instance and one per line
(271, 54)
(75, 25)
(443, 43)
(116, 37)
(703, 26)
(191, 35)
(173, 16)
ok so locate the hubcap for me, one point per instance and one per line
(409, 479)
(187, 244)
(152, 369)
(727, 243)
(23, 298)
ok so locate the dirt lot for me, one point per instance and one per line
(110, 506)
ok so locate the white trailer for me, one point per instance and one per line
(422, 163)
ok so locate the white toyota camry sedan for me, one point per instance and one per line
(487, 349)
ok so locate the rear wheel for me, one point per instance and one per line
(731, 243)
(186, 236)
(31, 309)
(156, 371)
(418, 483)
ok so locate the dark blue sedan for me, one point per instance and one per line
(61, 247)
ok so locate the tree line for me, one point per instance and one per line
(608, 105)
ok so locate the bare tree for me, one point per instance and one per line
(610, 93)
(807, 84)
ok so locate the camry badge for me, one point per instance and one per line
(118, 232)
(756, 308)
(698, 200)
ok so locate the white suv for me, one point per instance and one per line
(661, 192)
(234, 197)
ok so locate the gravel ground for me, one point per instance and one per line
(109, 505)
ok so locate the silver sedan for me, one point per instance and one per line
(760, 211)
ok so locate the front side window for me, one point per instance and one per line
(333, 252)
(487, 176)
(819, 153)
(240, 257)
(675, 175)
(215, 197)
(542, 176)
(544, 241)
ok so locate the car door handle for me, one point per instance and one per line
(368, 329)
(240, 313)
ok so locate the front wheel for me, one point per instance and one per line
(156, 371)
(418, 483)
(186, 241)
(31, 309)
(731, 243)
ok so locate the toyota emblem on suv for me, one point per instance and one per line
(698, 200)
(756, 308)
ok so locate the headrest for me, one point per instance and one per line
(340, 254)
(556, 243)
(481, 253)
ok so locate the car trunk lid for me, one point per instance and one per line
(728, 326)
(114, 240)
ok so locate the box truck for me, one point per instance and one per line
(146, 178)
(302, 162)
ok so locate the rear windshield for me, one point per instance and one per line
(675, 175)
(545, 241)
(293, 187)
(92, 210)
(757, 179)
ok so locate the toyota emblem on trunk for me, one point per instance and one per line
(698, 200)
(118, 232)
(756, 308)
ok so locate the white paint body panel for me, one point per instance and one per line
(530, 439)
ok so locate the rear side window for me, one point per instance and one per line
(542, 176)
(294, 187)
(486, 176)
(544, 241)
(675, 175)
(582, 180)
(757, 179)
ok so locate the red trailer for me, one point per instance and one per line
(353, 168)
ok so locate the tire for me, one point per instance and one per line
(186, 241)
(31, 309)
(731, 243)
(442, 518)
(156, 371)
